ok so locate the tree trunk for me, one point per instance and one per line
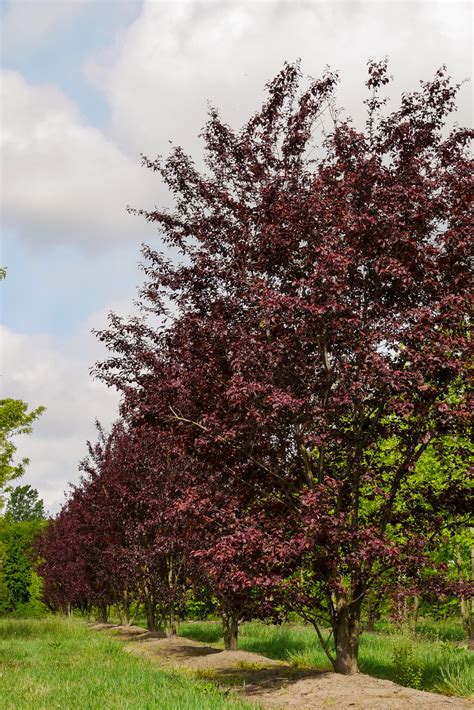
(373, 612)
(346, 636)
(171, 625)
(231, 631)
(413, 619)
(371, 619)
(150, 615)
(124, 610)
(101, 614)
(134, 614)
(466, 604)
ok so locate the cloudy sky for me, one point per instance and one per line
(88, 85)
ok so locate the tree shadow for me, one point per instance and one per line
(258, 681)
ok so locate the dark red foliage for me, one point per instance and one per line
(312, 345)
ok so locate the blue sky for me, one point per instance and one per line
(87, 85)
(58, 54)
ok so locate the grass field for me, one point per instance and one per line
(55, 663)
(426, 661)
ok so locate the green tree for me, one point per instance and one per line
(19, 585)
(15, 419)
(25, 505)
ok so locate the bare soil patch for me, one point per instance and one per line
(275, 684)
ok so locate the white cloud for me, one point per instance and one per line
(62, 179)
(28, 23)
(177, 55)
(55, 374)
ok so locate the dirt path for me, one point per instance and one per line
(275, 684)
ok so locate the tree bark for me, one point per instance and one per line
(346, 630)
(231, 631)
(101, 614)
(150, 615)
(124, 610)
(171, 625)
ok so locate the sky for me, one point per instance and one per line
(89, 85)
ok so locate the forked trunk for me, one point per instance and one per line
(230, 625)
(346, 636)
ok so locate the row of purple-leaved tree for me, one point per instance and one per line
(303, 350)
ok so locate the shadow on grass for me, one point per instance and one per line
(281, 648)
(254, 677)
(257, 681)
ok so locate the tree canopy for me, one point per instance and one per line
(293, 367)
(15, 419)
(24, 504)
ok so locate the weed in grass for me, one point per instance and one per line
(407, 665)
(456, 673)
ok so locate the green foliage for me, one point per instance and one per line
(408, 669)
(34, 607)
(15, 419)
(59, 663)
(24, 505)
(199, 604)
(456, 673)
(17, 573)
(20, 588)
(445, 629)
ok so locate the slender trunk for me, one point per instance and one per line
(466, 604)
(171, 625)
(405, 610)
(414, 613)
(371, 619)
(125, 615)
(230, 625)
(465, 616)
(346, 636)
(150, 610)
(373, 612)
(124, 610)
(101, 614)
(134, 614)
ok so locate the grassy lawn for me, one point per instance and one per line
(425, 661)
(55, 663)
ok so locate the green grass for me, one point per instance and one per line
(423, 661)
(55, 663)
